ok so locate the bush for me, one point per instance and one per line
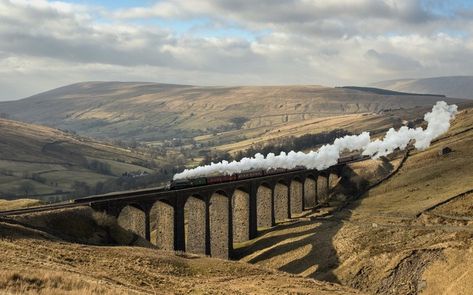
(101, 167)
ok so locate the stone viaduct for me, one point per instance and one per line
(211, 219)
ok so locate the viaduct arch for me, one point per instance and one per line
(211, 219)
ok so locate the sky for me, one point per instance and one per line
(48, 44)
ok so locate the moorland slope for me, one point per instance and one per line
(69, 252)
(453, 86)
(412, 233)
(152, 111)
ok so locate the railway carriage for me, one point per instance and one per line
(214, 179)
(250, 174)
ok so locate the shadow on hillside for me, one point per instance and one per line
(320, 257)
(76, 225)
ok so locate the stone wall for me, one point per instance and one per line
(132, 219)
(296, 197)
(322, 189)
(194, 225)
(241, 216)
(162, 225)
(219, 226)
(263, 206)
(309, 193)
(280, 202)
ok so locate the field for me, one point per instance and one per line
(233, 141)
(17, 204)
(41, 161)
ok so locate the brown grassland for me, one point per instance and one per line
(152, 112)
(39, 257)
(411, 234)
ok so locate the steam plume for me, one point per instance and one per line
(438, 123)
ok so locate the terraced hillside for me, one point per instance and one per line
(150, 111)
(411, 234)
(37, 160)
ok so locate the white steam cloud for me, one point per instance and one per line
(438, 123)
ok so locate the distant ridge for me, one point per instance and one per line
(389, 92)
(152, 111)
(451, 86)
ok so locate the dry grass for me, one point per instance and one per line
(40, 255)
(231, 141)
(156, 111)
(390, 242)
(51, 282)
(41, 266)
(18, 204)
(426, 177)
(377, 245)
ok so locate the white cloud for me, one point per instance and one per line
(47, 44)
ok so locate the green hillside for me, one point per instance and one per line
(38, 161)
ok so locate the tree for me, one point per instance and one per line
(239, 121)
(80, 189)
(26, 188)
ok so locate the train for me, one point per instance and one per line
(215, 179)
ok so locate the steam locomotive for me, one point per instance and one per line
(214, 179)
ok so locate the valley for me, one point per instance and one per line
(396, 238)
(152, 112)
(216, 147)
(166, 127)
(50, 164)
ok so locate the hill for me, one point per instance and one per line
(37, 261)
(151, 111)
(39, 161)
(408, 235)
(453, 86)
(389, 92)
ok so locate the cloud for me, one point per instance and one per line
(258, 42)
(391, 61)
(294, 15)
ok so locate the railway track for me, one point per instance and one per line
(82, 202)
(41, 209)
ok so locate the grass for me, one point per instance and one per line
(18, 204)
(377, 244)
(157, 112)
(428, 178)
(51, 282)
(67, 179)
(231, 141)
(35, 262)
(58, 157)
(389, 241)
